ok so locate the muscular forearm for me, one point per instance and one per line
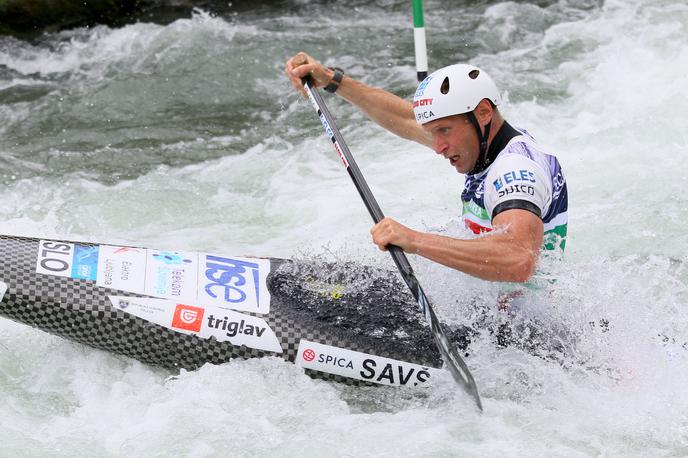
(494, 257)
(388, 110)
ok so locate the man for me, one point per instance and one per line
(514, 192)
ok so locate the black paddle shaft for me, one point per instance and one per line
(454, 362)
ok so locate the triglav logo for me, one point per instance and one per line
(188, 318)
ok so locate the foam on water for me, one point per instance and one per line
(212, 150)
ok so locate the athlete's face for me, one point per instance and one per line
(454, 138)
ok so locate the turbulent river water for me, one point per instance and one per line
(188, 136)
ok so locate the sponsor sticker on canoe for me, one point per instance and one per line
(55, 258)
(236, 283)
(122, 268)
(153, 310)
(203, 279)
(360, 366)
(85, 262)
(188, 317)
(172, 275)
(70, 260)
(205, 322)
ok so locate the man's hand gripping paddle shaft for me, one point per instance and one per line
(451, 357)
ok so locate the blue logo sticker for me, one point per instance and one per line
(422, 86)
(498, 184)
(85, 263)
(231, 279)
(519, 175)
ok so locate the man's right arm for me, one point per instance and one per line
(388, 110)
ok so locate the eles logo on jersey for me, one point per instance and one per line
(498, 184)
(515, 179)
(513, 176)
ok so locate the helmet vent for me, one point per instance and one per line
(474, 74)
(444, 89)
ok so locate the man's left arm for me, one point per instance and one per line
(508, 253)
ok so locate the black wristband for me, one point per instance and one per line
(336, 80)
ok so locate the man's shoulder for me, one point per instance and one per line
(522, 145)
(523, 149)
(515, 154)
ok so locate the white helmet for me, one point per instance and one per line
(453, 90)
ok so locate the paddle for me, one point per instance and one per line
(454, 362)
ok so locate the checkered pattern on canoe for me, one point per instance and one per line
(80, 310)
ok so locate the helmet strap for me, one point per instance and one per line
(481, 163)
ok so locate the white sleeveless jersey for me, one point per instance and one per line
(523, 177)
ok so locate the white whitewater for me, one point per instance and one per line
(187, 136)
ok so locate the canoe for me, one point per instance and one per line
(178, 309)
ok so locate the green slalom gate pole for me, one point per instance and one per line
(419, 40)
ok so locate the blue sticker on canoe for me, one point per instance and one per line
(85, 262)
